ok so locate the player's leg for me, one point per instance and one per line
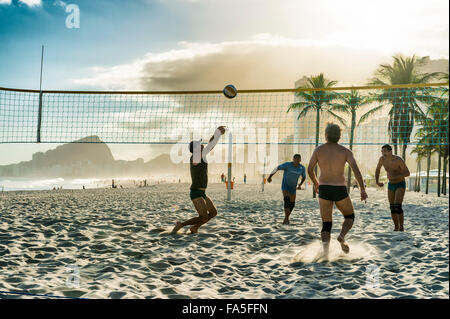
(201, 208)
(212, 212)
(391, 198)
(346, 208)
(326, 212)
(289, 204)
(398, 200)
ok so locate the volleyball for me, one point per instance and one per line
(230, 91)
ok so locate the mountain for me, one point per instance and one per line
(440, 65)
(85, 158)
(89, 149)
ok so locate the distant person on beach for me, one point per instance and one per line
(222, 177)
(245, 179)
(292, 171)
(396, 170)
(199, 174)
(331, 158)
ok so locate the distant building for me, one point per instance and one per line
(422, 176)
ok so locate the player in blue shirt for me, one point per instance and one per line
(292, 171)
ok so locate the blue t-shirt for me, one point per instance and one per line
(291, 175)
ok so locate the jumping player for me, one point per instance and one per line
(199, 174)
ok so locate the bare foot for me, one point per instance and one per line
(194, 229)
(177, 227)
(344, 245)
(286, 222)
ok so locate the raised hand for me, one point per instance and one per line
(222, 129)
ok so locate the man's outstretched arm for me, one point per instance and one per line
(269, 179)
(301, 182)
(351, 161)
(377, 173)
(214, 140)
(312, 163)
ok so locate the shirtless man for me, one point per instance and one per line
(331, 186)
(199, 174)
(396, 170)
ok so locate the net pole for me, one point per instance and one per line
(264, 174)
(40, 99)
(230, 158)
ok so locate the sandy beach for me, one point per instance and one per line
(119, 242)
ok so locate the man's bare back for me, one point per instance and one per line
(331, 158)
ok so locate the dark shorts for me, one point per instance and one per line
(196, 193)
(333, 193)
(394, 187)
(291, 190)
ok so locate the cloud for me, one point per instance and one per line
(60, 3)
(32, 3)
(264, 61)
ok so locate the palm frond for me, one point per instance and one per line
(305, 111)
(344, 108)
(368, 114)
(299, 105)
(337, 117)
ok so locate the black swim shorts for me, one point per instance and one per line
(333, 193)
(196, 193)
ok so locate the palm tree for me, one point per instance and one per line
(351, 103)
(437, 113)
(439, 110)
(404, 101)
(445, 153)
(316, 101)
(424, 135)
(421, 152)
(445, 149)
(433, 135)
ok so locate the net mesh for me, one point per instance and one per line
(368, 116)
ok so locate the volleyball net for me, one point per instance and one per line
(402, 114)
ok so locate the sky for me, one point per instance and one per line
(204, 44)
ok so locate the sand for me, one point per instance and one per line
(119, 241)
